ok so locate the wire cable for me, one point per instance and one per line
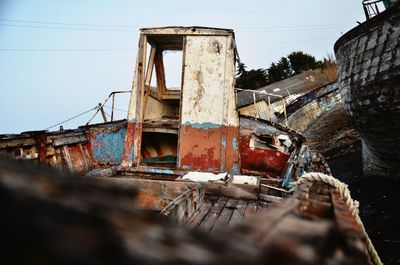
(74, 117)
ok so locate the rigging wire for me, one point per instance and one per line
(115, 109)
(74, 117)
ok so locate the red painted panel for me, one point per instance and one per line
(271, 162)
(200, 149)
(127, 156)
(232, 150)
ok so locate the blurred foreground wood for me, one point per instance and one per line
(49, 217)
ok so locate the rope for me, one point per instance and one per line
(353, 206)
(74, 117)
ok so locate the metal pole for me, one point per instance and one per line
(102, 112)
(254, 103)
(284, 111)
(270, 109)
(112, 109)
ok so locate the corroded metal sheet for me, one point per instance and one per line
(107, 146)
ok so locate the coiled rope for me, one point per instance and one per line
(353, 206)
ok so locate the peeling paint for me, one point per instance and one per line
(235, 145)
(235, 169)
(107, 148)
(224, 142)
(204, 125)
(159, 171)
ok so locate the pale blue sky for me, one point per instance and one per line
(61, 57)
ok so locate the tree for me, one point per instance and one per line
(295, 63)
(300, 62)
(252, 79)
(279, 71)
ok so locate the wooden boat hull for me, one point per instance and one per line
(369, 74)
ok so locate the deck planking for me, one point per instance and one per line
(226, 214)
(219, 212)
(199, 216)
(213, 214)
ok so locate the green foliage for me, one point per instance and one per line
(252, 79)
(279, 71)
(300, 62)
(295, 63)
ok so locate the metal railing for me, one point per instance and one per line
(100, 107)
(371, 8)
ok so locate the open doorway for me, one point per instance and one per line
(161, 104)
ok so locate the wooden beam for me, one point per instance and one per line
(236, 191)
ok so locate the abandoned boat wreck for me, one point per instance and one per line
(368, 57)
(187, 153)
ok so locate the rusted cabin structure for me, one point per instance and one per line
(196, 124)
(195, 127)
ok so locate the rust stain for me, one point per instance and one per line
(149, 201)
(41, 144)
(201, 149)
(198, 148)
(127, 155)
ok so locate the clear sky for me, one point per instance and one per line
(59, 58)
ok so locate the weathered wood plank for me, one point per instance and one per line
(67, 158)
(226, 214)
(236, 191)
(256, 226)
(212, 216)
(74, 139)
(182, 208)
(251, 209)
(199, 216)
(262, 205)
(105, 212)
(238, 213)
(155, 194)
(270, 198)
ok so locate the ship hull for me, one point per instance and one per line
(368, 57)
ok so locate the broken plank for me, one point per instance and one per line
(213, 215)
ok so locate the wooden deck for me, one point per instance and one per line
(218, 212)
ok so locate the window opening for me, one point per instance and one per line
(173, 69)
